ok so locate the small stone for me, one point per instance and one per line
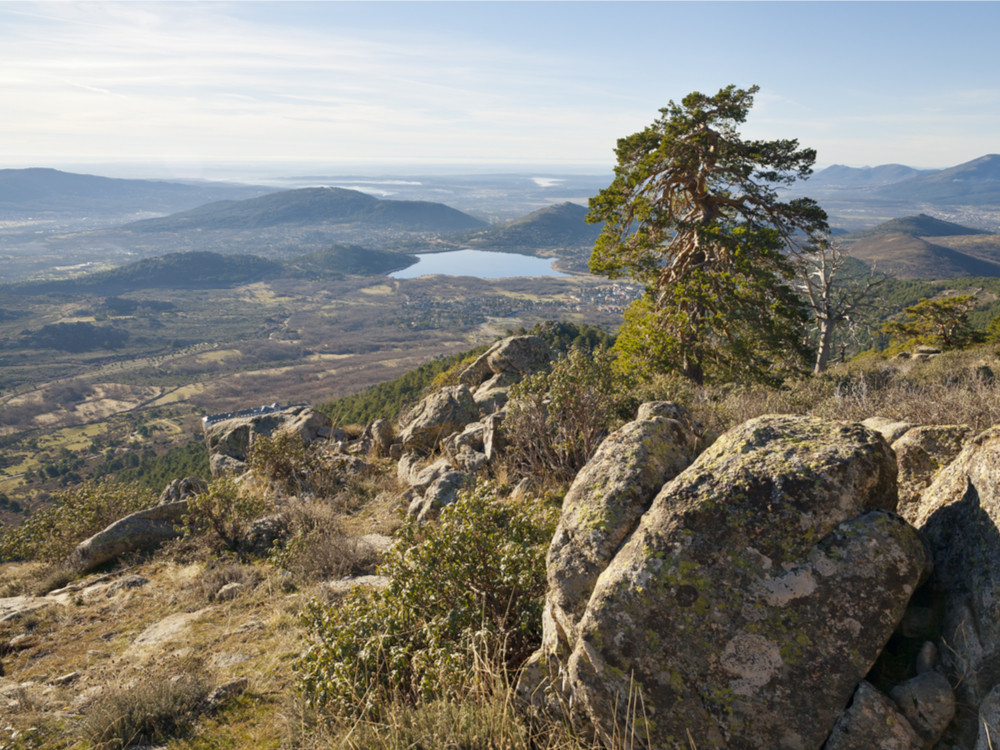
(66, 679)
(927, 658)
(229, 591)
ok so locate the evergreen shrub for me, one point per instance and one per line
(465, 590)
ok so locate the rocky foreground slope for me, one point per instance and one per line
(768, 591)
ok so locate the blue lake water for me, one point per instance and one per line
(479, 263)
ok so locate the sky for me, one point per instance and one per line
(195, 88)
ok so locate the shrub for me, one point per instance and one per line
(151, 711)
(226, 510)
(318, 548)
(79, 512)
(282, 459)
(469, 587)
(556, 419)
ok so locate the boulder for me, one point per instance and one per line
(872, 722)
(890, 429)
(383, 436)
(229, 440)
(470, 438)
(515, 355)
(437, 416)
(419, 477)
(494, 393)
(137, 532)
(920, 453)
(600, 510)
(928, 703)
(494, 438)
(442, 491)
(518, 355)
(959, 515)
(754, 595)
(182, 489)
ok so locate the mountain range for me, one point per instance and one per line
(46, 191)
(973, 183)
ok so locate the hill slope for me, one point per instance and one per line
(194, 270)
(314, 206)
(558, 226)
(348, 259)
(921, 225)
(907, 257)
(51, 190)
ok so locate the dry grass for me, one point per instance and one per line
(959, 387)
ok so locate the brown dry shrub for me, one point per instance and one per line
(318, 547)
(150, 711)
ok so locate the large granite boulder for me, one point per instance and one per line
(514, 355)
(920, 453)
(139, 531)
(754, 595)
(229, 440)
(959, 515)
(600, 510)
(437, 416)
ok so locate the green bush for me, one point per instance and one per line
(556, 419)
(282, 459)
(466, 590)
(51, 533)
(226, 511)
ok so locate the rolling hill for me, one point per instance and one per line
(561, 226)
(921, 225)
(208, 270)
(907, 257)
(312, 206)
(44, 191)
(194, 270)
(341, 260)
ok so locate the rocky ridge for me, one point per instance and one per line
(799, 583)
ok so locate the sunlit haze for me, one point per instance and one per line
(226, 89)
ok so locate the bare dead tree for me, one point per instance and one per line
(835, 290)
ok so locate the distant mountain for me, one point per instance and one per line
(348, 259)
(921, 225)
(194, 270)
(554, 227)
(44, 191)
(840, 176)
(907, 257)
(311, 206)
(974, 183)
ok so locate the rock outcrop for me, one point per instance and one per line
(959, 515)
(754, 595)
(229, 440)
(440, 414)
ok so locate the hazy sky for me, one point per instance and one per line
(371, 86)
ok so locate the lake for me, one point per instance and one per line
(479, 263)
